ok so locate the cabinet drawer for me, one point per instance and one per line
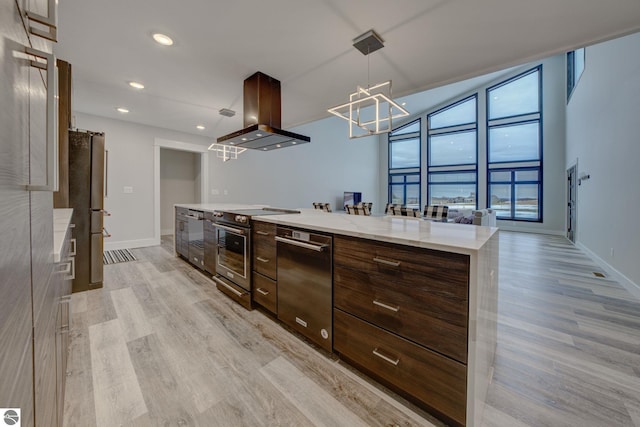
(434, 380)
(265, 292)
(399, 262)
(264, 248)
(429, 313)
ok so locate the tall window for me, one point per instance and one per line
(514, 147)
(575, 67)
(452, 158)
(404, 165)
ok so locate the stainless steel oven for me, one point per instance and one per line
(233, 258)
(233, 251)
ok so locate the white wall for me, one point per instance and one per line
(292, 177)
(179, 183)
(553, 98)
(131, 163)
(602, 134)
(295, 177)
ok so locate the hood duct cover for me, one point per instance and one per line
(262, 118)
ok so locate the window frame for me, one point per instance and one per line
(410, 171)
(513, 182)
(572, 79)
(448, 130)
(404, 185)
(517, 165)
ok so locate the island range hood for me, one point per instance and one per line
(262, 118)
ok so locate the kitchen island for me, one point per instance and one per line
(414, 305)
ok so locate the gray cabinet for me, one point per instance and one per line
(28, 288)
(65, 274)
(182, 232)
(16, 340)
(210, 243)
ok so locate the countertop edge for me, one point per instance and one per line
(457, 238)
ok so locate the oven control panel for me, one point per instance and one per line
(241, 219)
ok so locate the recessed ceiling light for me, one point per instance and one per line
(258, 135)
(162, 39)
(200, 127)
(136, 85)
(403, 104)
(122, 110)
(278, 145)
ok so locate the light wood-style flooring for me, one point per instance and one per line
(160, 346)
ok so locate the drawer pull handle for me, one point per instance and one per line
(220, 282)
(387, 262)
(394, 362)
(262, 291)
(388, 307)
(262, 259)
(262, 233)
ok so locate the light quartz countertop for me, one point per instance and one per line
(61, 221)
(452, 237)
(210, 207)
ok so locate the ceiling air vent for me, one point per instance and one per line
(227, 112)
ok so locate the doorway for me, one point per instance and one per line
(180, 177)
(572, 177)
(202, 184)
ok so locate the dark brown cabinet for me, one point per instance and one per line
(265, 286)
(401, 314)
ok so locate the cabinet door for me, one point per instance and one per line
(410, 369)
(210, 246)
(16, 341)
(264, 249)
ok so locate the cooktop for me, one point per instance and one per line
(261, 211)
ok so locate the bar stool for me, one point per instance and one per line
(436, 212)
(357, 209)
(322, 206)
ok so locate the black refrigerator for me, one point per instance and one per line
(86, 197)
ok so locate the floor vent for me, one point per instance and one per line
(598, 274)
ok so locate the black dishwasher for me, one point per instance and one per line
(304, 271)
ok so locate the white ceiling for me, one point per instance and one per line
(307, 45)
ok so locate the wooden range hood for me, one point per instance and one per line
(262, 118)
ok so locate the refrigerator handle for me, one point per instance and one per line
(106, 173)
(51, 183)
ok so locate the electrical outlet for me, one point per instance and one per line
(226, 192)
(127, 190)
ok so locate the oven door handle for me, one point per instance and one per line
(231, 229)
(317, 248)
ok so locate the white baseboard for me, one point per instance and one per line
(531, 230)
(628, 284)
(129, 244)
